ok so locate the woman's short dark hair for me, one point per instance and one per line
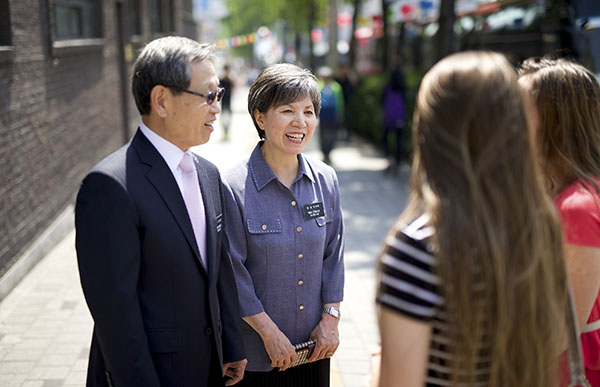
(165, 61)
(281, 84)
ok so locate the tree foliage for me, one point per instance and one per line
(246, 16)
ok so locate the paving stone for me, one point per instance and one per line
(11, 339)
(48, 372)
(15, 367)
(84, 353)
(76, 378)
(58, 360)
(33, 383)
(68, 348)
(53, 383)
(80, 364)
(18, 354)
(15, 380)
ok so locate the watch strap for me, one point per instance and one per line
(332, 310)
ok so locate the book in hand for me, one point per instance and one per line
(303, 350)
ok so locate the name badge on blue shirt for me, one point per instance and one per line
(313, 210)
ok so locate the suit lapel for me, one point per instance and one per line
(209, 209)
(163, 181)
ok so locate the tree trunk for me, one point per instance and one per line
(332, 56)
(445, 34)
(399, 60)
(312, 16)
(298, 47)
(352, 58)
(385, 39)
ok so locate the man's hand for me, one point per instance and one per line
(326, 336)
(235, 370)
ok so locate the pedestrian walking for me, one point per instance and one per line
(472, 283)
(394, 117)
(346, 78)
(227, 85)
(332, 110)
(285, 227)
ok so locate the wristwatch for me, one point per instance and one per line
(332, 310)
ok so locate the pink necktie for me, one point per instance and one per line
(193, 203)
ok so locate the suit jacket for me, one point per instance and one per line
(158, 315)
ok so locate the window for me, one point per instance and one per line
(162, 16)
(5, 35)
(135, 21)
(77, 19)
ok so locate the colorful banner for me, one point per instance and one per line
(237, 41)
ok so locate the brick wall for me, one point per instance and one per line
(59, 115)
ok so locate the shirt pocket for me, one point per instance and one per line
(269, 225)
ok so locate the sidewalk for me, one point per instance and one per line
(45, 326)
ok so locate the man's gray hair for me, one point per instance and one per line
(165, 61)
(281, 84)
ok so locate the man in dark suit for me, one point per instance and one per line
(152, 252)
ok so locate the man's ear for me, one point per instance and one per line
(260, 119)
(160, 100)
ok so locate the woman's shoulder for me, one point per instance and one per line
(319, 168)
(235, 176)
(579, 198)
(412, 240)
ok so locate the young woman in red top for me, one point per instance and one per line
(567, 99)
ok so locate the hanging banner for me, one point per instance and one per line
(236, 41)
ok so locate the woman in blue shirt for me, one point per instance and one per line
(285, 227)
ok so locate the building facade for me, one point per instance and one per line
(65, 100)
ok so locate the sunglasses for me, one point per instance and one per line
(210, 97)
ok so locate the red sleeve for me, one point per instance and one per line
(580, 214)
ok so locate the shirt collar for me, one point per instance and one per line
(305, 168)
(262, 174)
(169, 151)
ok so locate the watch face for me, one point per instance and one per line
(332, 311)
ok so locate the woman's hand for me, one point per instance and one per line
(280, 350)
(327, 338)
(278, 346)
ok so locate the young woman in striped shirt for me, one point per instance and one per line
(472, 284)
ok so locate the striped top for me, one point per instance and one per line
(409, 285)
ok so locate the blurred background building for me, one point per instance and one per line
(65, 67)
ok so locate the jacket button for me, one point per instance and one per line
(300, 256)
(300, 282)
(294, 203)
(301, 307)
(208, 331)
(299, 229)
(264, 227)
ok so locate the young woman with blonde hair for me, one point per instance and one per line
(472, 284)
(566, 97)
